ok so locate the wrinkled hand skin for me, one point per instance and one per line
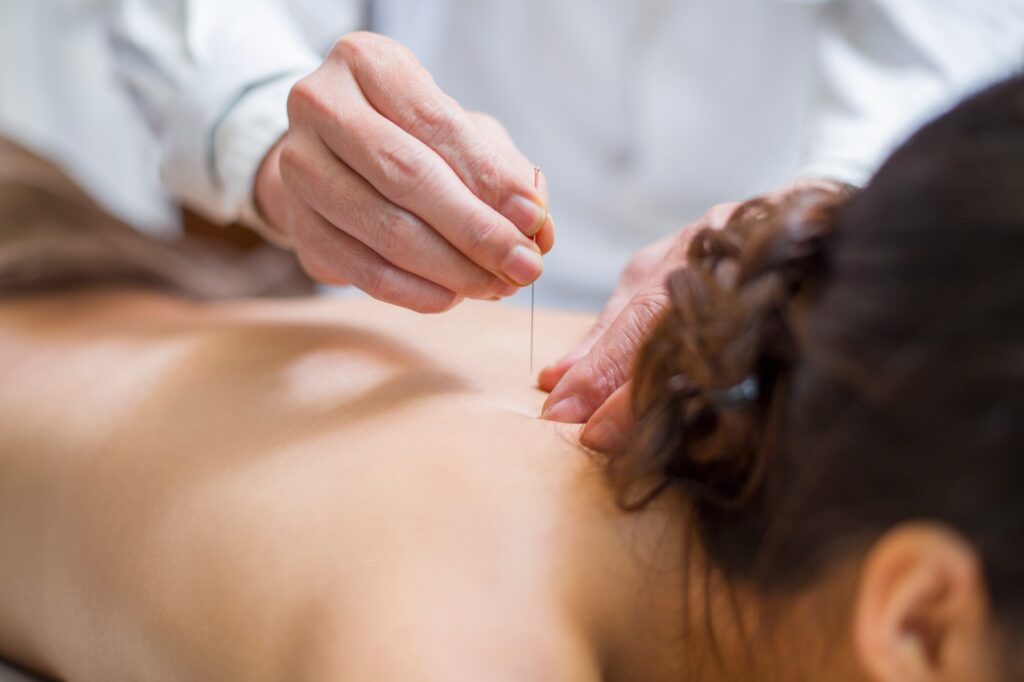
(384, 182)
(591, 383)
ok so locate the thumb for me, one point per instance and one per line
(609, 363)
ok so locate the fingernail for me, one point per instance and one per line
(526, 214)
(523, 265)
(569, 410)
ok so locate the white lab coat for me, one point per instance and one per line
(642, 113)
(60, 97)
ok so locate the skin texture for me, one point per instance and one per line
(383, 181)
(311, 490)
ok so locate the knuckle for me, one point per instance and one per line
(395, 230)
(431, 119)
(487, 170)
(404, 169)
(483, 235)
(302, 96)
(353, 46)
(650, 303)
(598, 377)
(646, 308)
(306, 101)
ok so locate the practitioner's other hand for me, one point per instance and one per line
(590, 384)
(384, 182)
(591, 381)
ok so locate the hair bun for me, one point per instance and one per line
(707, 379)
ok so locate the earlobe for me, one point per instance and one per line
(921, 610)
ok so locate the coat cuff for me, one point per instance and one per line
(241, 140)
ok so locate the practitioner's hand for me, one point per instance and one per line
(590, 384)
(385, 182)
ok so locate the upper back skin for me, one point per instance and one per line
(300, 490)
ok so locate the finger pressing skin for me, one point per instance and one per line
(331, 256)
(609, 429)
(398, 86)
(352, 205)
(608, 365)
(648, 268)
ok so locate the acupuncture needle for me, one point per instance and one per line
(533, 285)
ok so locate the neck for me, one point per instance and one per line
(625, 583)
(651, 606)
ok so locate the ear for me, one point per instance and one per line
(922, 613)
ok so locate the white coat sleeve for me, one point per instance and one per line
(887, 66)
(212, 79)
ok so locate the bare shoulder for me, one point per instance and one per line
(377, 484)
(480, 577)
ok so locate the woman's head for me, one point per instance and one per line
(842, 379)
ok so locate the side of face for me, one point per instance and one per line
(913, 608)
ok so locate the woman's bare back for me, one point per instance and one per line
(297, 490)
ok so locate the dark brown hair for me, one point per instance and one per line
(832, 366)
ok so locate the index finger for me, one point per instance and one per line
(609, 364)
(402, 90)
(499, 138)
